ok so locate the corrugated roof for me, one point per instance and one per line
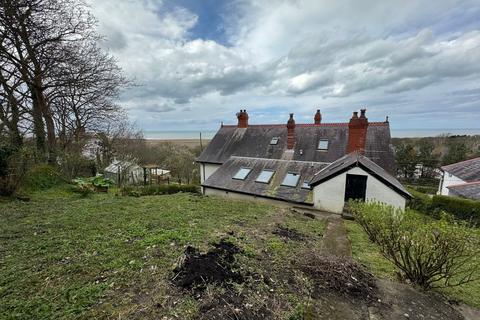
(356, 159)
(222, 178)
(467, 190)
(468, 170)
(254, 141)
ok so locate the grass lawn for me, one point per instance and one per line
(367, 253)
(107, 256)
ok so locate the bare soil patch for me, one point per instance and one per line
(197, 269)
(289, 233)
(339, 275)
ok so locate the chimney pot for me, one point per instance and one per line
(362, 113)
(242, 117)
(318, 117)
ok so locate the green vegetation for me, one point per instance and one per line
(464, 209)
(419, 239)
(68, 257)
(159, 189)
(41, 177)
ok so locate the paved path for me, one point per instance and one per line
(335, 240)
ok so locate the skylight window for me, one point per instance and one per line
(291, 179)
(265, 176)
(306, 184)
(274, 141)
(242, 174)
(323, 145)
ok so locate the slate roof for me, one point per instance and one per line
(468, 170)
(222, 178)
(356, 159)
(467, 190)
(254, 141)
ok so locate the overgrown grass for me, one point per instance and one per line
(367, 253)
(67, 257)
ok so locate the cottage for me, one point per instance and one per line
(318, 164)
(461, 179)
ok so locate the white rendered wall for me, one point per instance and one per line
(448, 180)
(330, 195)
(206, 170)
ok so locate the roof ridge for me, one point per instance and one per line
(325, 124)
(464, 184)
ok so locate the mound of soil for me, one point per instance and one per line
(288, 233)
(339, 275)
(231, 305)
(216, 266)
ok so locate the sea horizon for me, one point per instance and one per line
(395, 133)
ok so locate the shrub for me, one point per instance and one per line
(464, 209)
(86, 186)
(160, 189)
(429, 253)
(42, 176)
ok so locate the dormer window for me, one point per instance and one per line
(274, 141)
(291, 179)
(265, 176)
(322, 145)
(242, 174)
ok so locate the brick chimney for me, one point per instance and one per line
(318, 117)
(242, 117)
(357, 132)
(291, 132)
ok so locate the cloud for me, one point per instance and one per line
(288, 52)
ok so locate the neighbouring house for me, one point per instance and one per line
(319, 165)
(461, 179)
(124, 172)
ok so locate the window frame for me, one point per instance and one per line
(277, 139)
(246, 175)
(289, 185)
(305, 181)
(269, 179)
(320, 141)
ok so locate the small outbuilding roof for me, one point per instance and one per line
(223, 178)
(355, 159)
(468, 170)
(122, 165)
(469, 190)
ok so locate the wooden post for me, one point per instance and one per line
(201, 145)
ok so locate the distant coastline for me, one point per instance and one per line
(396, 133)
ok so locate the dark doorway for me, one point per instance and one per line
(356, 187)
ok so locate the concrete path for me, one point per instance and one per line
(335, 240)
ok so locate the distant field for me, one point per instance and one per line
(191, 143)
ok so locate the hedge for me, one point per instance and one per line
(160, 189)
(464, 209)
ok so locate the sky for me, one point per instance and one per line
(195, 63)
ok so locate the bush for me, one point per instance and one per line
(464, 209)
(86, 186)
(41, 177)
(429, 253)
(160, 189)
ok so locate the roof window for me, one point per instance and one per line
(291, 179)
(274, 141)
(242, 174)
(306, 184)
(322, 145)
(265, 176)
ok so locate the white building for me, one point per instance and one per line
(321, 165)
(461, 179)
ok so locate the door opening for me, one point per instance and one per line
(355, 187)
